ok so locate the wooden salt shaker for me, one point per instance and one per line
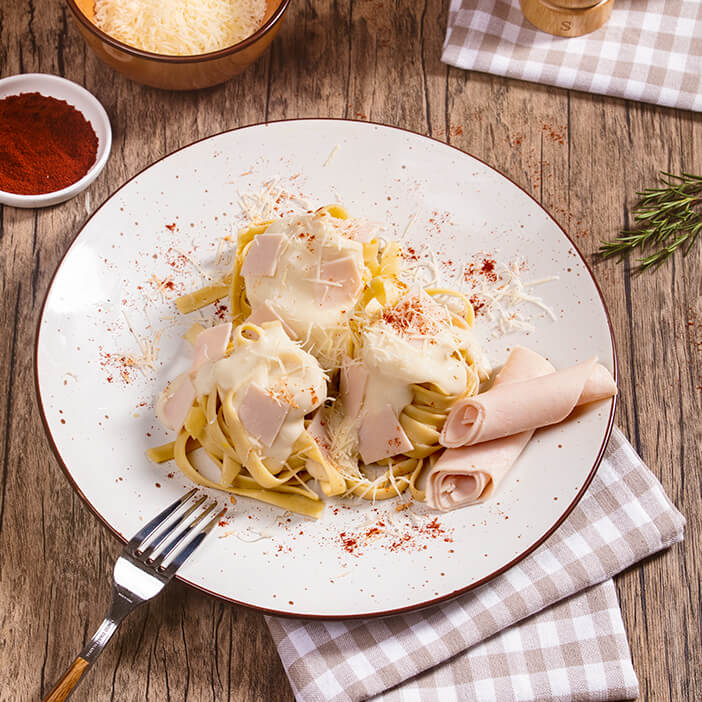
(567, 18)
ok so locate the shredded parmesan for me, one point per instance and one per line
(203, 274)
(505, 296)
(224, 257)
(408, 226)
(331, 156)
(267, 203)
(343, 574)
(257, 535)
(161, 287)
(179, 27)
(149, 349)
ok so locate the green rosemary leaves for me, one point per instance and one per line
(666, 219)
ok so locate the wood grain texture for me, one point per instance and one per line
(583, 156)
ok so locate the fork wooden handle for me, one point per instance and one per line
(139, 576)
(63, 688)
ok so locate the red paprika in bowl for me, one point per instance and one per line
(55, 139)
(45, 144)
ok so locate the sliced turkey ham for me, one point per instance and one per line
(360, 230)
(175, 402)
(511, 408)
(469, 474)
(352, 388)
(262, 256)
(382, 436)
(342, 281)
(211, 344)
(262, 415)
(317, 429)
(266, 313)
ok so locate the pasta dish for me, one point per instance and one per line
(339, 374)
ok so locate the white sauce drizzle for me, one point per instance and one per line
(294, 291)
(426, 351)
(280, 367)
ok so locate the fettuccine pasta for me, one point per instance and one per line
(334, 376)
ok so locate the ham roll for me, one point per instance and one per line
(511, 408)
(469, 474)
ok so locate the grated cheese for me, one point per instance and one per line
(149, 349)
(410, 222)
(203, 274)
(161, 287)
(257, 535)
(267, 203)
(331, 156)
(179, 27)
(504, 297)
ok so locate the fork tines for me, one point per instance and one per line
(176, 521)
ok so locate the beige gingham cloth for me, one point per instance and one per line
(650, 50)
(526, 635)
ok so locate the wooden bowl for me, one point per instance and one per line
(177, 72)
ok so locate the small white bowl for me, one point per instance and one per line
(84, 102)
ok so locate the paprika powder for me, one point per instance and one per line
(45, 144)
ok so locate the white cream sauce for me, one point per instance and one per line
(293, 292)
(280, 367)
(423, 351)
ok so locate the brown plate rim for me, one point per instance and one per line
(367, 615)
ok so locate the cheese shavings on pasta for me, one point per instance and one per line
(334, 377)
(246, 406)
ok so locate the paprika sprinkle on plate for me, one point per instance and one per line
(45, 144)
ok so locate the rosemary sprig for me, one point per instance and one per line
(666, 218)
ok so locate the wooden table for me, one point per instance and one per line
(582, 156)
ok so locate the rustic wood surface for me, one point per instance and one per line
(583, 156)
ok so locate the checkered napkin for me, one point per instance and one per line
(548, 629)
(650, 50)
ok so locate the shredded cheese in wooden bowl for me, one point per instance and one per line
(179, 27)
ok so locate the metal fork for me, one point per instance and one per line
(140, 574)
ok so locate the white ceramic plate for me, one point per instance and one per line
(86, 103)
(358, 559)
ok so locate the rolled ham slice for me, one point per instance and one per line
(470, 474)
(511, 408)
